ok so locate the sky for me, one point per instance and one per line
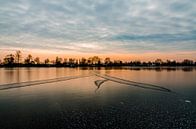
(127, 29)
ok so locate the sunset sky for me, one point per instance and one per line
(124, 29)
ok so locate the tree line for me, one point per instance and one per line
(15, 60)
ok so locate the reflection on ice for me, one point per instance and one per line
(120, 104)
(132, 83)
(38, 82)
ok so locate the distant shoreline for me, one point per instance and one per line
(54, 66)
(12, 60)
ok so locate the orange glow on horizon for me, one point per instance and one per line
(150, 56)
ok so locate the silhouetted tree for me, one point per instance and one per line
(14, 60)
(187, 62)
(46, 61)
(118, 62)
(96, 60)
(107, 61)
(158, 62)
(37, 60)
(65, 61)
(90, 61)
(29, 59)
(144, 64)
(9, 59)
(58, 61)
(83, 61)
(150, 63)
(72, 62)
(18, 57)
(171, 62)
(137, 63)
(76, 61)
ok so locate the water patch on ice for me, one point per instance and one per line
(187, 101)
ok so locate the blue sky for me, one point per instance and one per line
(98, 26)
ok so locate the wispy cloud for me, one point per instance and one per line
(102, 26)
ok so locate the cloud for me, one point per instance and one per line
(164, 38)
(102, 26)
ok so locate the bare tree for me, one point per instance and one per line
(83, 61)
(29, 59)
(18, 57)
(47, 61)
(107, 61)
(37, 60)
(96, 60)
(72, 61)
(9, 59)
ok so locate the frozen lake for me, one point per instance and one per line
(123, 97)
